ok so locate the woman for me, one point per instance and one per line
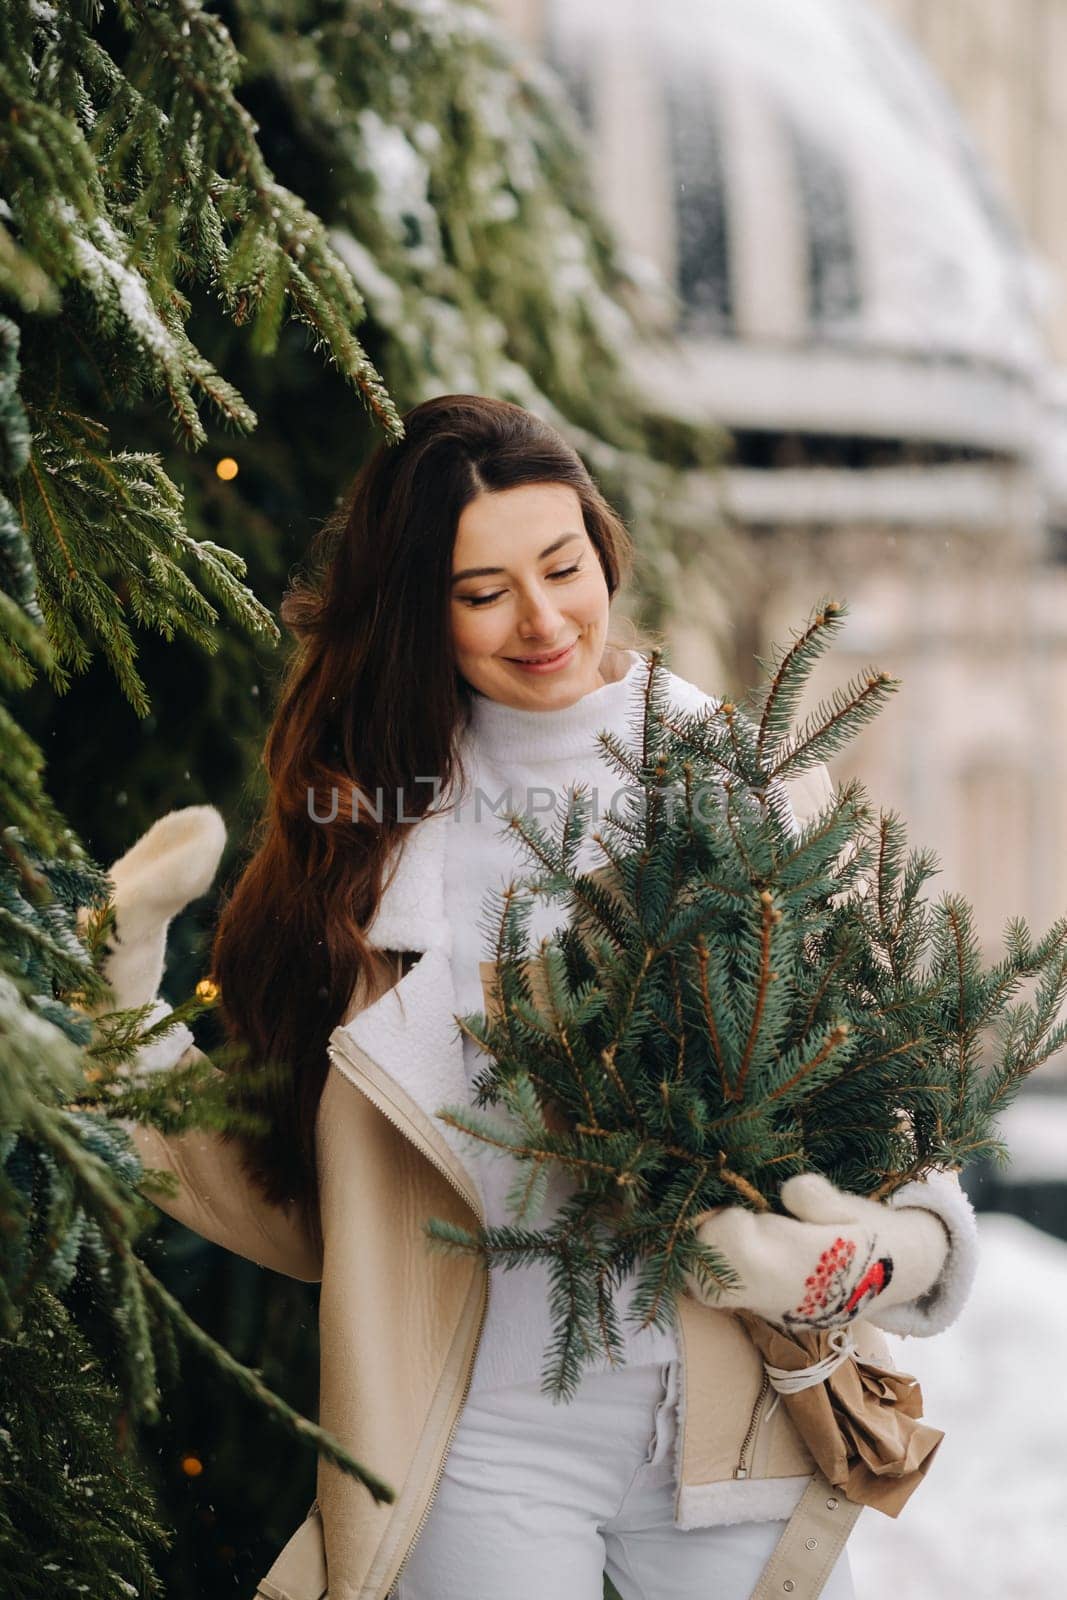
(455, 662)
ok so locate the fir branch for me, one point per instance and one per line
(770, 916)
(748, 1192)
(670, 1245)
(829, 727)
(250, 1383)
(480, 1129)
(793, 671)
(607, 1316)
(707, 1006)
(113, 1216)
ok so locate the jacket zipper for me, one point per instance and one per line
(426, 1150)
(741, 1470)
(448, 1442)
(391, 1115)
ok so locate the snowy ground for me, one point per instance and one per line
(990, 1520)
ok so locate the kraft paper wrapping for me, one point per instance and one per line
(863, 1424)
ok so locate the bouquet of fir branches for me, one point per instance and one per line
(731, 1002)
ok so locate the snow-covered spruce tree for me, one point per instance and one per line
(732, 1002)
(121, 188)
(485, 268)
(450, 172)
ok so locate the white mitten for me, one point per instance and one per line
(171, 864)
(839, 1256)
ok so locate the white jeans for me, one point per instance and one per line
(538, 1500)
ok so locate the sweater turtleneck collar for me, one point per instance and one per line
(507, 735)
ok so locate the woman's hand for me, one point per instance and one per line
(839, 1256)
(169, 865)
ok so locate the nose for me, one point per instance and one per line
(540, 617)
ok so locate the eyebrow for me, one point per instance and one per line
(492, 572)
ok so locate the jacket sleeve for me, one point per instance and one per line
(940, 1305)
(216, 1198)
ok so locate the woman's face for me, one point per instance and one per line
(537, 590)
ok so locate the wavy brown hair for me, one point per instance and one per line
(371, 698)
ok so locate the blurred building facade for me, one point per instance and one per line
(848, 220)
(1002, 63)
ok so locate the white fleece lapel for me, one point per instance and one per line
(411, 911)
(410, 1030)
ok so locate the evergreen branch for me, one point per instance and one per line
(734, 823)
(533, 837)
(649, 706)
(794, 669)
(606, 1317)
(561, 1034)
(886, 842)
(679, 1038)
(893, 1181)
(113, 1215)
(671, 1243)
(53, 520)
(963, 1033)
(834, 1040)
(561, 1374)
(607, 1061)
(770, 916)
(251, 1384)
(828, 977)
(729, 712)
(460, 1120)
(526, 1199)
(718, 1053)
(868, 1063)
(829, 726)
(748, 1192)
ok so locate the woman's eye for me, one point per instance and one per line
(484, 599)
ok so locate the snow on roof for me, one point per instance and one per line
(820, 183)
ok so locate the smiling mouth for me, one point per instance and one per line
(536, 660)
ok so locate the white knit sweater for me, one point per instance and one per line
(527, 761)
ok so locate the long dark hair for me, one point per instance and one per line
(370, 698)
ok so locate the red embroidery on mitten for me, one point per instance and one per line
(828, 1284)
(829, 1301)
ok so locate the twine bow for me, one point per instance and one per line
(785, 1380)
(861, 1422)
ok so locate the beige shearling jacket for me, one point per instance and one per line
(400, 1323)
